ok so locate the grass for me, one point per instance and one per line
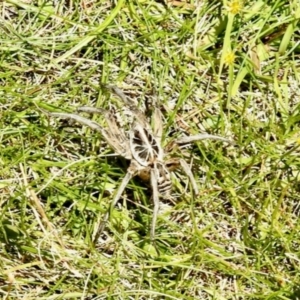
(222, 68)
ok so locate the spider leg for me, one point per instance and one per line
(199, 137)
(91, 110)
(117, 91)
(190, 175)
(155, 203)
(132, 105)
(84, 121)
(157, 120)
(117, 134)
(117, 142)
(117, 196)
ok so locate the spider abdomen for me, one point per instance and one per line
(165, 188)
(164, 183)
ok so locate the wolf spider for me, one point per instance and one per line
(141, 144)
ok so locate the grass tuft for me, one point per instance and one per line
(230, 69)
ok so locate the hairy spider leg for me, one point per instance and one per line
(186, 168)
(113, 141)
(130, 173)
(155, 202)
(199, 137)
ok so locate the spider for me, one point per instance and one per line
(141, 144)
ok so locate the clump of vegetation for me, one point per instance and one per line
(226, 68)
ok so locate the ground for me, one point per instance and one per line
(226, 68)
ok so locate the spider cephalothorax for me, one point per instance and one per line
(141, 144)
